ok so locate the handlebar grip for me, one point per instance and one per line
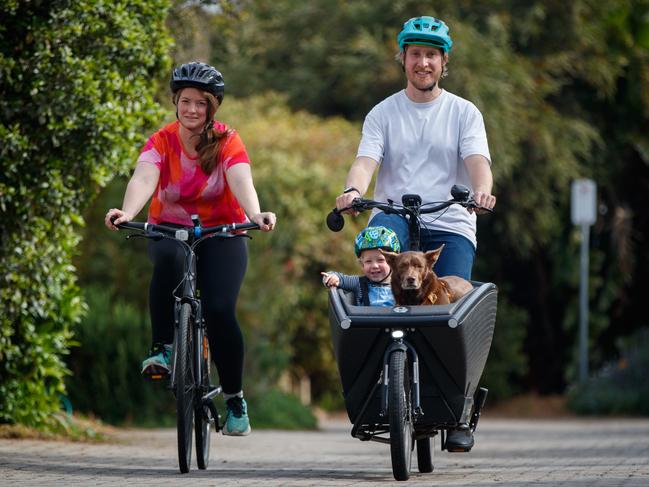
(133, 225)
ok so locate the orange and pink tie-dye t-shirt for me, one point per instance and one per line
(184, 189)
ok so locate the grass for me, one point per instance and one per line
(63, 428)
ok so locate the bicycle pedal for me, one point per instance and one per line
(155, 377)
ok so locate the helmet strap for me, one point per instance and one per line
(389, 274)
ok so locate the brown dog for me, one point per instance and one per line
(414, 282)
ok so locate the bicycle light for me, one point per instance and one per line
(396, 334)
(182, 235)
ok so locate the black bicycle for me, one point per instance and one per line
(190, 377)
(411, 372)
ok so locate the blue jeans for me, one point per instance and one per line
(455, 260)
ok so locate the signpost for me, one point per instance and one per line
(583, 213)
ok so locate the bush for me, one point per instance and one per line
(106, 382)
(620, 387)
(275, 409)
(507, 364)
(105, 379)
(75, 95)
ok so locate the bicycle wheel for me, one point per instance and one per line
(399, 406)
(184, 387)
(425, 454)
(202, 413)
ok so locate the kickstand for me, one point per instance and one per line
(480, 399)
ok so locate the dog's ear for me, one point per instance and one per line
(433, 255)
(390, 257)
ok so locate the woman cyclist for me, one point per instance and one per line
(197, 165)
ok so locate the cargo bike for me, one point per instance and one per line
(410, 373)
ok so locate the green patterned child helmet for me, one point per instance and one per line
(425, 30)
(376, 238)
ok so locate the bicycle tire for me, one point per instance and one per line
(400, 415)
(184, 387)
(425, 454)
(202, 414)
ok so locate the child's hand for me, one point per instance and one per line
(330, 280)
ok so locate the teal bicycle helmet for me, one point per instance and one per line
(428, 31)
(376, 238)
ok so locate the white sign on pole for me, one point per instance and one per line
(583, 213)
(583, 202)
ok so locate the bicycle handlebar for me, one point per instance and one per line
(411, 206)
(184, 232)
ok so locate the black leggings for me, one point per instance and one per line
(221, 266)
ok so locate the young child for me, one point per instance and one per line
(373, 288)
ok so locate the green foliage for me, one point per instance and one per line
(507, 364)
(105, 379)
(275, 409)
(619, 387)
(75, 94)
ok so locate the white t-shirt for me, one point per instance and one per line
(421, 149)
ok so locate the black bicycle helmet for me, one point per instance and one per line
(198, 75)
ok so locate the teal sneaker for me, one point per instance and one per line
(236, 418)
(156, 366)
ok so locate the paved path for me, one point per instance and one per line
(574, 453)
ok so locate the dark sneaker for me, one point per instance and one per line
(236, 418)
(156, 366)
(459, 441)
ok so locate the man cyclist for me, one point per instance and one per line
(423, 140)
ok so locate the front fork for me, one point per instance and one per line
(400, 344)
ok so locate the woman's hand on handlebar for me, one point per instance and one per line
(114, 217)
(485, 200)
(266, 220)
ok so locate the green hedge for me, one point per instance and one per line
(114, 338)
(75, 96)
(105, 381)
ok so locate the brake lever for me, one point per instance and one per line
(358, 204)
(471, 205)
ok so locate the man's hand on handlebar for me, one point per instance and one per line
(116, 216)
(486, 201)
(266, 220)
(344, 201)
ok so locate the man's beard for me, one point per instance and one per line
(428, 87)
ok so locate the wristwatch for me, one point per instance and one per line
(350, 189)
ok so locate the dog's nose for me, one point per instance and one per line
(410, 281)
